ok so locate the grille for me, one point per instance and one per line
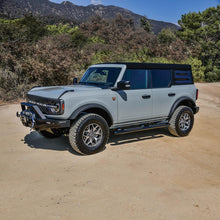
(44, 104)
(45, 110)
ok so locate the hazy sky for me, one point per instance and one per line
(163, 10)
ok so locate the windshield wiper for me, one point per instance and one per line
(85, 83)
(90, 83)
(107, 84)
(96, 84)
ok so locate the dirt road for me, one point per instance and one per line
(145, 175)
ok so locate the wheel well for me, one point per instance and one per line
(188, 103)
(100, 112)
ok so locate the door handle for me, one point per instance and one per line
(146, 96)
(171, 94)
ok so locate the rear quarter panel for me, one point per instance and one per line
(185, 90)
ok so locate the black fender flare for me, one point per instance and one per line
(178, 101)
(86, 107)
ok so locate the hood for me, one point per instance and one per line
(56, 92)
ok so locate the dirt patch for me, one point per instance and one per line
(145, 175)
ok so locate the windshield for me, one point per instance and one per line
(101, 76)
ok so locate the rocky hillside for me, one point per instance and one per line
(67, 10)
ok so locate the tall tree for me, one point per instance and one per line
(145, 23)
(202, 30)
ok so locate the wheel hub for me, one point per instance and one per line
(184, 122)
(92, 135)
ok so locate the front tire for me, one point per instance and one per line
(181, 121)
(89, 134)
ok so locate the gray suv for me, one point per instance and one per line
(121, 97)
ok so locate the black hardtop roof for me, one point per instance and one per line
(154, 66)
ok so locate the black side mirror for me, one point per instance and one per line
(74, 80)
(123, 85)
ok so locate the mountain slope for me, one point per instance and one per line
(18, 8)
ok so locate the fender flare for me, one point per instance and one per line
(178, 101)
(83, 108)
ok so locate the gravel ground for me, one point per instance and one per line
(145, 175)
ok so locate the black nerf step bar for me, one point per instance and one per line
(142, 127)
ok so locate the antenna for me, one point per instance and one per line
(96, 2)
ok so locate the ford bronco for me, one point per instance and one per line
(121, 97)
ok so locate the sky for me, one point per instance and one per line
(162, 10)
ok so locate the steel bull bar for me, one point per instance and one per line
(31, 116)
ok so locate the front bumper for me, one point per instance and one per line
(31, 116)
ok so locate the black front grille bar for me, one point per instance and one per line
(45, 104)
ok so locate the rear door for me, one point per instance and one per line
(163, 93)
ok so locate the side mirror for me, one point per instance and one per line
(74, 80)
(123, 85)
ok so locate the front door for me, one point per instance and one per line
(136, 103)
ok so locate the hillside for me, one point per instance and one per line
(68, 10)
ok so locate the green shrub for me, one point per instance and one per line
(167, 36)
(213, 76)
(197, 69)
(78, 39)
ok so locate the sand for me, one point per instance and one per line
(144, 175)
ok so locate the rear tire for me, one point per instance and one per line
(89, 134)
(181, 121)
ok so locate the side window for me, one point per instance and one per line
(182, 77)
(161, 78)
(137, 78)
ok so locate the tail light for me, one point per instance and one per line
(197, 94)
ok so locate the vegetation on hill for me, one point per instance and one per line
(67, 10)
(37, 52)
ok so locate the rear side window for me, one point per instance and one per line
(161, 78)
(137, 78)
(183, 77)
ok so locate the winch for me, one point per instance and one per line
(27, 118)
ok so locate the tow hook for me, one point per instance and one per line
(32, 122)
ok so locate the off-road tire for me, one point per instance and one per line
(77, 131)
(56, 133)
(175, 126)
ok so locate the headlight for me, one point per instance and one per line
(55, 109)
(58, 108)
